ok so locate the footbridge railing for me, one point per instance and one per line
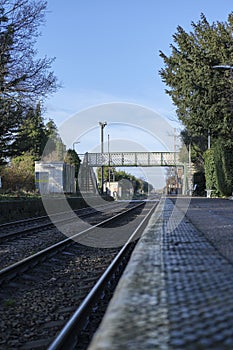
(139, 159)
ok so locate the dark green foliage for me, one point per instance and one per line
(199, 181)
(201, 94)
(223, 157)
(31, 135)
(198, 145)
(36, 137)
(54, 150)
(10, 119)
(219, 168)
(107, 171)
(210, 172)
(138, 184)
(20, 174)
(54, 144)
(72, 158)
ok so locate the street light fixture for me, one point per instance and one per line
(222, 66)
(109, 169)
(74, 145)
(102, 126)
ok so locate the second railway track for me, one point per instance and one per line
(15, 229)
(27, 237)
(37, 299)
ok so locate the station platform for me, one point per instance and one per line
(176, 291)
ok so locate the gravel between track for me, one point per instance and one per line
(35, 309)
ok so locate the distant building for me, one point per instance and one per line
(55, 177)
(174, 181)
(119, 189)
(112, 188)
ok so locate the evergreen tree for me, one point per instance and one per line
(10, 119)
(72, 158)
(37, 138)
(51, 129)
(54, 150)
(202, 94)
(31, 135)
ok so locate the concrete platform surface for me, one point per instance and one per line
(176, 292)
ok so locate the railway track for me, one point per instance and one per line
(41, 292)
(27, 237)
(12, 230)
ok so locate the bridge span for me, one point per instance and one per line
(135, 159)
(131, 159)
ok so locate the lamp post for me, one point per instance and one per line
(222, 66)
(102, 126)
(225, 67)
(109, 169)
(76, 142)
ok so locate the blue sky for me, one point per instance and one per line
(108, 50)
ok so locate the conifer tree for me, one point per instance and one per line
(202, 94)
(31, 135)
(72, 158)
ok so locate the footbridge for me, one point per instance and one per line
(131, 159)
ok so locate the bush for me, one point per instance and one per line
(219, 168)
(199, 180)
(223, 157)
(210, 172)
(19, 175)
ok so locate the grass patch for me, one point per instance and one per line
(18, 196)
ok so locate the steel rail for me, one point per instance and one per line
(21, 266)
(68, 337)
(40, 226)
(37, 218)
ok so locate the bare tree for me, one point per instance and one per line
(24, 78)
(22, 74)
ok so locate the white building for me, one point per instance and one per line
(55, 177)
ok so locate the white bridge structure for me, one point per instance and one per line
(138, 159)
(133, 159)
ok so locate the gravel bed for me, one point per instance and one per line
(16, 250)
(35, 307)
